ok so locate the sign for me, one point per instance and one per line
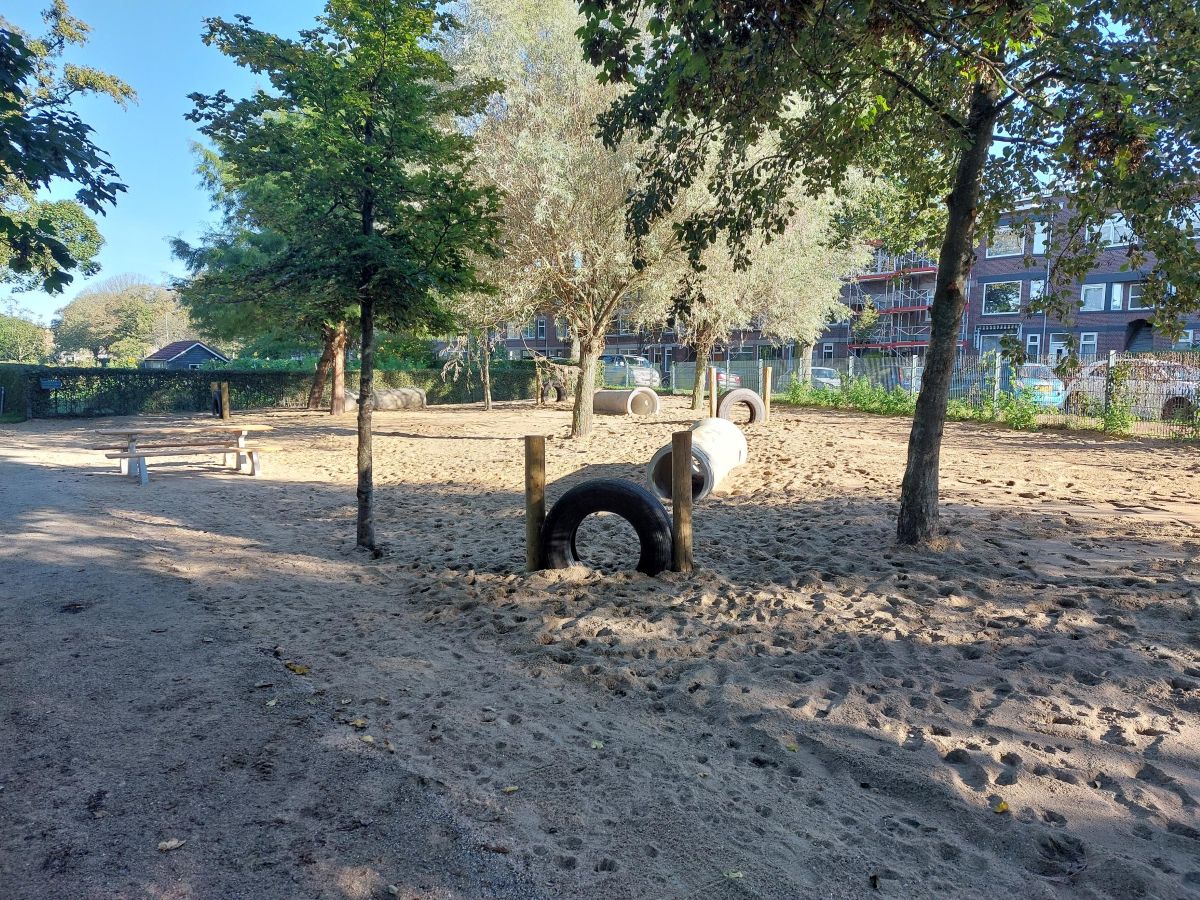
(51, 384)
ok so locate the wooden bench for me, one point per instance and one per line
(137, 458)
(173, 436)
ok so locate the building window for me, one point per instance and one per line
(1041, 237)
(1001, 297)
(1033, 346)
(1115, 232)
(1188, 340)
(1091, 298)
(541, 329)
(1087, 345)
(1009, 240)
(1134, 293)
(529, 332)
(193, 365)
(1036, 290)
(827, 351)
(1058, 345)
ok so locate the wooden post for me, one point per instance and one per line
(681, 501)
(225, 414)
(712, 392)
(212, 397)
(535, 500)
(766, 393)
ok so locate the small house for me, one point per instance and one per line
(183, 355)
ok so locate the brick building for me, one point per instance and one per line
(1009, 271)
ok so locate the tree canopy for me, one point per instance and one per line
(980, 105)
(124, 315)
(46, 140)
(358, 128)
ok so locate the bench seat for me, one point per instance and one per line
(140, 471)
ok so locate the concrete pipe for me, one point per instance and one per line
(637, 402)
(718, 447)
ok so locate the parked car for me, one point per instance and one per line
(727, 380)
(636, 371)
(826, 378)
(1043, 386)
(1156, 389)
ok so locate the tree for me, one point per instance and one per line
(124, 315)
(483, 316)
(21, 339)
(358, 128)
(565, 250)
(979, 104)
(45, 140)
(242, 282)
(789, 287)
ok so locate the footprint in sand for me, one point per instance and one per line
(972, 773)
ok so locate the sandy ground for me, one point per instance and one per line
(814, 713)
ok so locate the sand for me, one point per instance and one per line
(815, 712)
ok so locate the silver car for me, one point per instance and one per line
(826, 378)
(1156, 388)
(635, 371)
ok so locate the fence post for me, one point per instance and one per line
(850, 368)
(225, 413)
(996, 387)
(1108, 378)
(766, 373)
(535, 499)
(681, 501)
(712, 392)
(760, 376)
(912, 377)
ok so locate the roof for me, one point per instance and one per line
(176, 349)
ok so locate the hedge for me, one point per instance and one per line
(50, 392)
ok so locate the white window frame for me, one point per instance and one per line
(1115, 232)
(1033, 345)
(1059, 347)
(1187, 340)
(995, 284)
(541, 328)
(1129, 296)
(1086, 338)
(1041, 238)
(1101, 288)
(1017, 230)
(827, 351)
(1117, 300)
(1037, 288)
(529, 332)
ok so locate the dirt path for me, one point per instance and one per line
(133, 714)
(815, 712)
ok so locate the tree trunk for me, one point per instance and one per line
(806, 362)
(366, 479)
(337, 401)
(318, 386)
(919, 493)
(485, 369)
(581, 418)
(703, 353)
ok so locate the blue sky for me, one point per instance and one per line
(155, 46)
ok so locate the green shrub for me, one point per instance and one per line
(1019, 410)
(1117, 414)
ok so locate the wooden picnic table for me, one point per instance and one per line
(237, 432)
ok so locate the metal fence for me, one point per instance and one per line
(1149, 394)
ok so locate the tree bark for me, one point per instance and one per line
(318, 386)
(581, 417)
(366, 384)
(703, 354)
(485, 369)
(337, 400)
(918, 517)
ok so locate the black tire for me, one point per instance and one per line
(1179, 410)
(629, 500)
(753, 402)
(554, 392)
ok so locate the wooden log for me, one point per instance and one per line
(225, 414)
(681, 501)
(712, 392)
(766, 392)
(535, 500)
